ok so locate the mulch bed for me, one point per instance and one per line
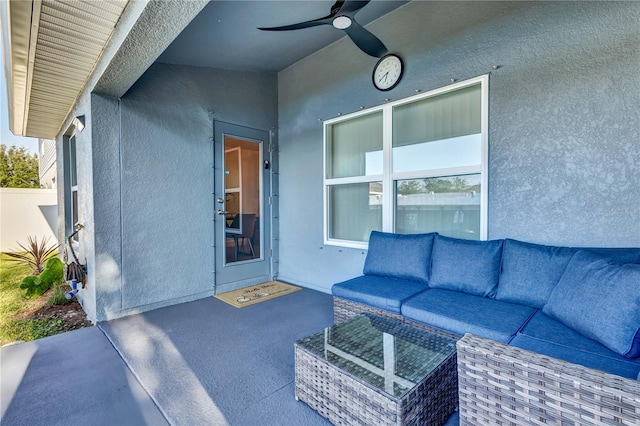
(71, 314)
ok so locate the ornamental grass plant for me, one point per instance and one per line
(35, 254)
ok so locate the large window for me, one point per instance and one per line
(411, 166)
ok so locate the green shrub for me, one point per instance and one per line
(37, 285)
(31, 285)
(53, 272)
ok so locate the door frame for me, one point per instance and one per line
(234, 275)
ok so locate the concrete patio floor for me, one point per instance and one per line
(197, 363)
(74, 378)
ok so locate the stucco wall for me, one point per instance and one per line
(564, 124)
(153, 174)
(27, 213)
(84, 168)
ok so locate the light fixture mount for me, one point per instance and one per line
(342, 22)
(78, 123)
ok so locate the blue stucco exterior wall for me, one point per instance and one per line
(564, 120)
(153, 181)
(85, 248)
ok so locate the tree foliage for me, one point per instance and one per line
(408, 187)
(436, 185)
(18, 168)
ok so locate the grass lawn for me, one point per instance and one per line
(26, 319)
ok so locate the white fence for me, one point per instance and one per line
(27, 212)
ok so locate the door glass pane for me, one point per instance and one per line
(242, 199)
(354, 147)
(355, 210)
(73, 168)
(438, 132)
(447, 205)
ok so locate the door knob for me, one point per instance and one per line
(222, 212)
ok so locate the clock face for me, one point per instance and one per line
(387, 72)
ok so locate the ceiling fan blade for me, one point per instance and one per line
(366, 41)
(308, 24)
(351, 6)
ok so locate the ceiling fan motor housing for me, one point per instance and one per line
(342, 22)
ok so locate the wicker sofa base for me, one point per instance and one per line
(344, 309)
(505, 385)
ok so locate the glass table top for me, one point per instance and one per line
(389, 355)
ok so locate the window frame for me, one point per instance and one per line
(71, 187)
(388, 178)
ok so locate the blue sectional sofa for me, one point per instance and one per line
(580, 305)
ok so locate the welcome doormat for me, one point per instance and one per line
(255, 294)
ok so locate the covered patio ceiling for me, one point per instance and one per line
(55, 49)
(225, 34)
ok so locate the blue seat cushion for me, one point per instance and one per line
(542, 327)
(613, 363)
(379, 292)
(531, 271)
(465, 313)
(600, 299)
(403, 257)
(464, 265)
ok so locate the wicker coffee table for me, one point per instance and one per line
(371, 370)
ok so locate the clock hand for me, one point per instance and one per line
(384, 76)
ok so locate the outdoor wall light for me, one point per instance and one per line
(78, 123)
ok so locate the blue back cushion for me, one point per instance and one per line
(463, 265)
(621, 255)
(403, 257)
(531, 271)
(600, 299)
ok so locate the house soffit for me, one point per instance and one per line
(53, 47)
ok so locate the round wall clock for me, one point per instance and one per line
(387, 72)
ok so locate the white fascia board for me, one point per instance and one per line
(16, 34)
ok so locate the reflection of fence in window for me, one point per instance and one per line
(443, 219)
(449, 205)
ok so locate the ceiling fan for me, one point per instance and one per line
(342, 17)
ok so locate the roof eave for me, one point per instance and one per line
(40, 37)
